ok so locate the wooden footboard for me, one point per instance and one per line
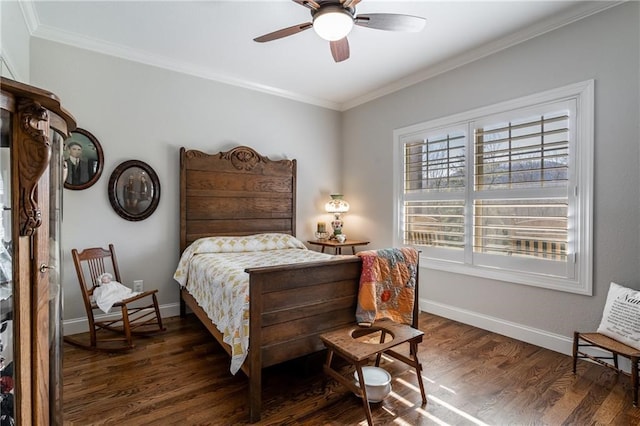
(290, 305)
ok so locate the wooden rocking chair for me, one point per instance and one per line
(139, 315)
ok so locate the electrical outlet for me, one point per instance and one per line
(138, 285)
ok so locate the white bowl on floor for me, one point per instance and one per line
(378, 382)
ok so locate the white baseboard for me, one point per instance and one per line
(542, 338)
(81, 325)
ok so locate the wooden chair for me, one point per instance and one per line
(139, 315)
(358, 345)
(600, 341)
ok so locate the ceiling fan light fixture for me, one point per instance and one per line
(333, 23)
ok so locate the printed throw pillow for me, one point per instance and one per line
(621, 315)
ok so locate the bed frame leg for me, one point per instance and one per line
(255, 395)
(183, 308)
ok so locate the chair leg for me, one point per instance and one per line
(413, 350)
(93, 338)
(365, 398)
(634, 379)
(126, 326)
(157, 309)
(576, 337)
(325, 378)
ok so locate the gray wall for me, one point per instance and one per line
(604, 47)
(145, 113)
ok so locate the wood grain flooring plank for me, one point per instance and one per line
(472, 377)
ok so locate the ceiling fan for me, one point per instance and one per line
(334, 19)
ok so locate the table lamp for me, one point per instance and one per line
(337, 206)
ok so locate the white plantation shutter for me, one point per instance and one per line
(521, 181)
(535, 228)
(435, 223)
(527, 153)
(435, 164)
(504, 191)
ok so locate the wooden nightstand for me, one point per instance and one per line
(337, 246)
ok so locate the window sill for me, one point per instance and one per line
(513, 277)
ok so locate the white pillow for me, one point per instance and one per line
(621, 316)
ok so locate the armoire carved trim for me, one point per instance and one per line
(33, 160)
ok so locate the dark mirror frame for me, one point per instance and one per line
(134, 190)
(93, 162)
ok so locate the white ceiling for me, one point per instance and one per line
(214, 39)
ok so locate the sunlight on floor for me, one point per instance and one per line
(400, 421)
(455, 410)
(448, 389)
(432, 417)
(389, 411)
(431, 400)
(422, 411)
(401, 399)
(409, 385)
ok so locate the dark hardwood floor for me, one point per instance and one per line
(472, 377)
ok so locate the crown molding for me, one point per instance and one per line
(30, 15)
(560, 20)
(76, 40)
(99, 46)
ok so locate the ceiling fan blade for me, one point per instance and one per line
(283, 32)
(391, 22)
(309, 4)
(349, 3)
(340, 49)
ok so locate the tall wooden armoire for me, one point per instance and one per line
(33, 129)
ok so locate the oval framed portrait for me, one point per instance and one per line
(83, 160)
(134, 190)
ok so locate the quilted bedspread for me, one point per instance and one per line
(387, 285)
(212, 270)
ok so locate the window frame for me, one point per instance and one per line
(580, 190)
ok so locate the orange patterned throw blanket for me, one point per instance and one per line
(387, 285)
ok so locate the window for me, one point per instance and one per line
(503, 192)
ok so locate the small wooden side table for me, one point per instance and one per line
(337, 246)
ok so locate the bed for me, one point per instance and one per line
(240, 193)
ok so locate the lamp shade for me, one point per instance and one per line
(333, 23)
(337, 204)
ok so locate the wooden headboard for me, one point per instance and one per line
(238, 192)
